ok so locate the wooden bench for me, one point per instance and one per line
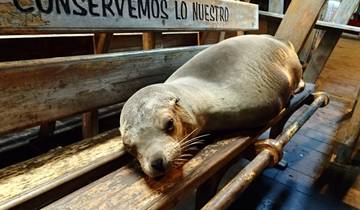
(40, 91)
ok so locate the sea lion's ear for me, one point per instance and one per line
(174, 101)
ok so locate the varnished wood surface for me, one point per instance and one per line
(19, 180)
(43, 90)
(298, 21)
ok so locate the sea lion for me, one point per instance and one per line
(238, 83)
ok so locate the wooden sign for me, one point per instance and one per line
(67, 16)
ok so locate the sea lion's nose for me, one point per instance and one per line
(158, 164)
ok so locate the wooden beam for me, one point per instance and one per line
(327, 13)
(36, 91)
(20, 16)
(296, 26)
(329, 41)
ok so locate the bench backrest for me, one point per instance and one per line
(37, 91)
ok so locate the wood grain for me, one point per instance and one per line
(128, 187)
(324, 25)
(48, 89)
(28, 177)
(90, 123)
(329, 41)
(125, 16)
(298, 21)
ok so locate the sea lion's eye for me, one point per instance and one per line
(169, 126)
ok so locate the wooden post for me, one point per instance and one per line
(47, 129)
(90, 123)
(151, 39)
(329, 41)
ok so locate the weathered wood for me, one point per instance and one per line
(149, 39)
(90, 123)
(319, 24)
(327, 13)
(348, 134)
(345, 11)
(102, 42)
(23, 181)
(20, 16)
(321, 55)
(295, 20)
(276, 6)
(132, 189)
(61, 87)
(329, 41)
(270, 153)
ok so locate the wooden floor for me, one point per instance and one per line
(309, 182)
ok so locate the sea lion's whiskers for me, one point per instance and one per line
(191, 141)
(194, 139)
(185, 155)
(187, 136)
(180, 159)
(192, 144)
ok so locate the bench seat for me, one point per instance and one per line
(28, 179)
(127, 187)
(32, 183)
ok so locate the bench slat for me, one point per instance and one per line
(33, 16)
(35, 91)
(289, 26)
(126, 186)
(23, 181)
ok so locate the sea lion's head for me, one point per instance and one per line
(156, 129)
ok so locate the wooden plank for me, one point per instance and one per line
(327, 13)
(22, 181)
(345, 11)
(329, 41)
(20, 16)
(61, 87)
(132, 189)
(300, 18)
